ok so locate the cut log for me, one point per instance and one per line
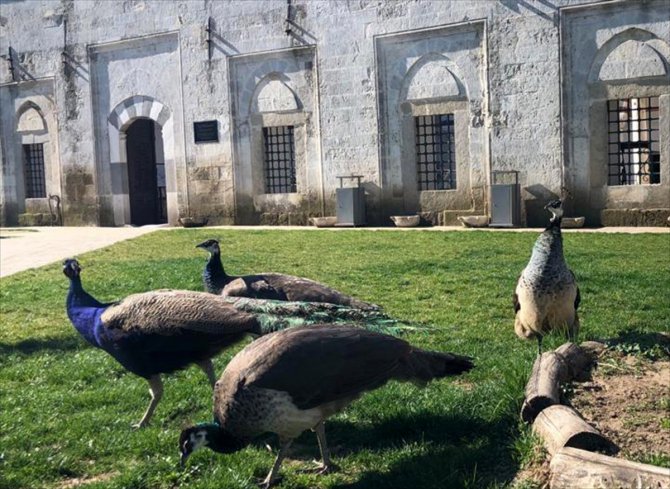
(578, 361)
(561, 426)
(571, 468)
(542, 389)
(568, 362)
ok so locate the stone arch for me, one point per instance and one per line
(612, 61)
(30, 119)
(119, 120)
(273, 94)
(423, 81)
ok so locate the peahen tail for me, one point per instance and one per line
(277, 315)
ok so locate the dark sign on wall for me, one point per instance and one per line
(206, 131)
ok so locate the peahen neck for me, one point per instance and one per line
(214, 276)
(548, 247)
(84, 311)
(220, 440)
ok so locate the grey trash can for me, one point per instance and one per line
(505, 199)
(350, 203)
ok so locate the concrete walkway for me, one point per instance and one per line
(25, 248)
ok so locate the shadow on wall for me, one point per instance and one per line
(536, 215)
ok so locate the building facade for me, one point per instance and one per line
(122, 112)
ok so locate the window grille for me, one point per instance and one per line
(633, 141)
(279, 160)
(435, 152)
(33, 164)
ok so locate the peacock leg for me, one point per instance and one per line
(272, 476)
(208, 368)
(326, 465)
(539, 345)
(156, 391)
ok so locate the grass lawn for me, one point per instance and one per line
(66, 408)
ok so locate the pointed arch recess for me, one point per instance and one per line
(646, 43)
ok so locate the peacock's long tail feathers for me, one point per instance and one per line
(278, 315)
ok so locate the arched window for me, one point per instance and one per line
(33, 129)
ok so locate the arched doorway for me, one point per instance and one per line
(146, 173)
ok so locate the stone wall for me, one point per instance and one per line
(525, 81)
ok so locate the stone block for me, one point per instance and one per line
(38, 219)
(634, 217)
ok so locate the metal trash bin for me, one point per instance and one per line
(505, 199)
(350, 203)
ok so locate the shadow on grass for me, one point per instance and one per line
(29, 347)
(441, 450)
(652, 345)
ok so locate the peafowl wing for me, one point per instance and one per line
(343, 362)
(177, 312)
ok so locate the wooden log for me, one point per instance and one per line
(568, 362)
(578, 361)
(561, 426)
(542, 389)
(571, 468)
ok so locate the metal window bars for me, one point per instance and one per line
(33, 165)
(279, 162)
(435, 152)
(633, 141)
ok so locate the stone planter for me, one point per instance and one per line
(193, 222)
(323, 222)
(572, 222)
(474, 221)
(406, 221)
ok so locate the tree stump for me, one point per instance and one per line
(561, 426)
(571, 468)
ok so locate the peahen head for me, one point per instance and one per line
(71, 268)
(211, 245)
(208, 435)
(556, 209)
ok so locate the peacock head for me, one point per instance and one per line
(556, 209)
(71, 268)
(211, 245)
(209, 435)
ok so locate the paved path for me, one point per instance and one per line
(24, 248)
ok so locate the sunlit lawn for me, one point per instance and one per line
(66, 408)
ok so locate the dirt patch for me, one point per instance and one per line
(628, 400)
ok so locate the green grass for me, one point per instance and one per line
(66, 408)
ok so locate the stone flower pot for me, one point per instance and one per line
(323, 222)
(474, 221)
(572, 222)
(406, 221)
(193, 222)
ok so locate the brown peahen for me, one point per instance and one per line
(293, 380)
(547, 296)
(275, 286)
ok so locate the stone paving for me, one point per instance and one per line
(25, 248)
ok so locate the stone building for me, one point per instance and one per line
(123, 112)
